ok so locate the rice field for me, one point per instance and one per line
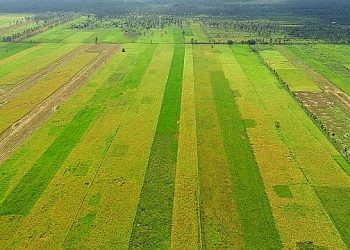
(155, 143)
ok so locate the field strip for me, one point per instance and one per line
(43, 213)
(121, 169)
(84, 161)
(258, 224)
(220, 223)
(294, 78)
(186, 212)
(14, 135)
(281, 155)
(21, 53)
(336, 203)
(152, 225)
(13, 28)
(20, 87)
(36, 94)
(32, 63)
(41, 173)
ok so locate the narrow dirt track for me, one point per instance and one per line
(25, 84)
(12, 138)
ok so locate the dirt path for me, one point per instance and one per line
(25, 84)
(11, 138)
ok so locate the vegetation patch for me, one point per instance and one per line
(336, 201)
(23, 197)
(80, 230)
(342, 163)
(249, 123)
(283, 191)
(152, 225)
(258, 224)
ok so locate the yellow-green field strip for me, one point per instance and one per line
(186, 229)
(38, 57)
(25, 102)
(153, 221)
(309, 162)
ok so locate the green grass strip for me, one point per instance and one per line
(10, 49)
(259, 230)
(336, 201)
(152, 225)
(30, 188)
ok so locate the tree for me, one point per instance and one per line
(123, 50)
(230, 42)
(96, 40)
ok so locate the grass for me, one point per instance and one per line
(186, 220)
(295, 78)
(330, 65)
(10, 49)
(257, 222)
(152, 225)
(220, 223)
(32, 62)
(336, 202)
(30, 188)
(32, 97)
(199, 33)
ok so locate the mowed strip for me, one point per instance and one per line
(32, 97)
(186, 215)
(72, 181)
(220, 224)
(39, 57)
(124, 166)
(290, 165)
(152, 225)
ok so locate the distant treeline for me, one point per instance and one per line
(325, 10)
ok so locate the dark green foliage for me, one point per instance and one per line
(152, 225)
(259, 229)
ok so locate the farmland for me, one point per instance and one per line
(155, 133)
